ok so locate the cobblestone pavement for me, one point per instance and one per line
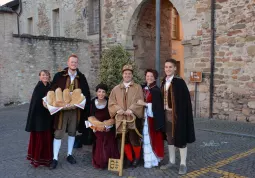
(222, 149)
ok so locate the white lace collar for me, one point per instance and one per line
(99, 106)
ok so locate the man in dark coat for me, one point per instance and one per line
(178, 115)
(69, 120)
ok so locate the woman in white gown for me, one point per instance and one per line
(153, 142)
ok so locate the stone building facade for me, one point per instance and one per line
(132, 24)
(23, 55)
(234, 91)
(235, 60)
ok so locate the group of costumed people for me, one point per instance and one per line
(160, 113)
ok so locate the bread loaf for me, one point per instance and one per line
(93, 120)
(109, 122)
(50, 97)
(82, 97)
(77, 91)
(59, 104)
(66, 96)
(76, 96)
(59, 95)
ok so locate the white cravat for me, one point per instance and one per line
(167, 85)
(72, 76)
(168, 82)
(126, 85)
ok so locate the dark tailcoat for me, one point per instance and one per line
(180, 102)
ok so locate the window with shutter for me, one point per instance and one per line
(175, 24)
(93, 23)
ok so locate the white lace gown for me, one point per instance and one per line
(150, 159)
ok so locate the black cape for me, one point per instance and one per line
(184, 124)
(39, 118)
(157, 108)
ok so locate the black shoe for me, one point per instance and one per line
(53, 164)
(71, 159)
(77, 142)
(136, 162)
(127, 164)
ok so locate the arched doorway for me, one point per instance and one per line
(142, 31)
(139, 37)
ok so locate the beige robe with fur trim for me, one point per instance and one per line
(120, 99)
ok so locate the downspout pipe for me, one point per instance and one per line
(157, 61)
(212, 58)
(18, 15)
(100, 31)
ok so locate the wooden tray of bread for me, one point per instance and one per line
(66, 100)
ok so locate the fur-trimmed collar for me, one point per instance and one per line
(65, 72)
(164, 79)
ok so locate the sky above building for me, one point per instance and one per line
(2, 2)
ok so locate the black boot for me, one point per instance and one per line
(127, 164)
(71, 159)
(54, 164)
(136, 162)
(77, 142)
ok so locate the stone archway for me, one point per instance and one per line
(120, 21)
(188, 11)
(131, 37)
(185, 8)
(144, 37)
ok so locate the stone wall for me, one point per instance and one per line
(72, 21)
(197, 47)
(21, 59)
(234, 78)
(235, 60)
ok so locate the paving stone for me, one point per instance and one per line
(210, 147)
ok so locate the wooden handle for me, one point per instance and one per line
(121, 120)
